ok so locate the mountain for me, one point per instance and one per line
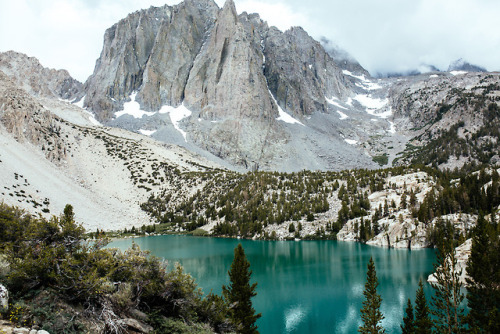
(451, 119)
(462, 65)
(193, 94)
(422, 69)
(342, 58)
(42, 81)
(226, 85)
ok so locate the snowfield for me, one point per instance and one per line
(147, 132)
(133, 109)
(283, 116)
(371, 103)
(177, 115)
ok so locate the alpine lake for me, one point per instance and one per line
(303, 286)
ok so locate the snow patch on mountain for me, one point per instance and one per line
(351, 141)
(80, 102)
(333, 101)
(370, 103)
(287, 118)
(364, 83)
(92, 118)
(147, 132)
(133, 109)
(392, 129)
(342, 115)
(283, 116)
(177, 115)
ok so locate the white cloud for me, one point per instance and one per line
(276, 13)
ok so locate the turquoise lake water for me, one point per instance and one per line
(303, 286)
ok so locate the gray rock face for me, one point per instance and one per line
(343, 59)
(29, 74)
(27, 120)
(462, 65)
(231, 71)
(300, 73)
(120, 68)
(426, 106)
(177, 44)
(229, 90)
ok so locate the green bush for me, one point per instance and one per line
(71, 285)
(382, 160)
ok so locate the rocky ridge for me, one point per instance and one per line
(30, 75)
(230, 86)
(449, 118)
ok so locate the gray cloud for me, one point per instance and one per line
(383, 35)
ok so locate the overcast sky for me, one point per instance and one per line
(383, 35)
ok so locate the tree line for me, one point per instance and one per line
(446, 312)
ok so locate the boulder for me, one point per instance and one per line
(136, 325)
(4, 299)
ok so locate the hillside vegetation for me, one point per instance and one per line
(65, 284)
(358, 204)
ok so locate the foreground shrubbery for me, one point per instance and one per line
(65, 284)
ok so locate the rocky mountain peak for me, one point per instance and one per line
(343, 59)
(462, 65)
(28, 73)
(237, 80)
(229, 8)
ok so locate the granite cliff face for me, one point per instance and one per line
(300, 73)
(194, 51)
(236, 76)
(119, 69)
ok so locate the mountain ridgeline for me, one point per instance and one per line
(233, 72)
(214, 61)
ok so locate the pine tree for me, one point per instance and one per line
(483, 268)
(370, 313)
(447, 309)
(423, 323)
(408, 326)
(239, 293)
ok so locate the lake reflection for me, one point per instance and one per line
(306, 286)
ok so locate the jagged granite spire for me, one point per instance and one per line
(231, 71)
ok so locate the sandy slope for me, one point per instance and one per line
(41, 179)
(98, 175)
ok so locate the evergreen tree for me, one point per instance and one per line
(239, 293)
(447, 309)
(483, 270)
(423, 323)
(403, 201)
(408, 326)
(370, 312)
